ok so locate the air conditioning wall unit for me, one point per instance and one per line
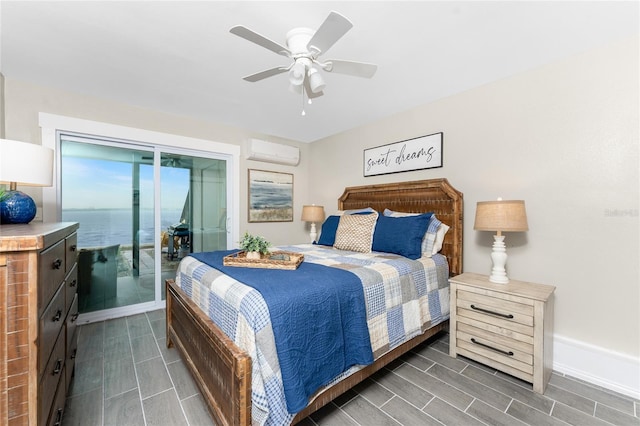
(259, 150)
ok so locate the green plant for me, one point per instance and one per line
(254, 243)
(2, 191)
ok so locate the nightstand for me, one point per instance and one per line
(506, 326)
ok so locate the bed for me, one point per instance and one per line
(223, 370)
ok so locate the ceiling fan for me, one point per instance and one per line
(304, 46)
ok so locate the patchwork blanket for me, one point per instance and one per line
(310, 353)
(403, 298)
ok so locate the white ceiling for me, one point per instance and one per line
(179, 56)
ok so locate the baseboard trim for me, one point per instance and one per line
(612, 370)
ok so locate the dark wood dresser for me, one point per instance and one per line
(38, 313)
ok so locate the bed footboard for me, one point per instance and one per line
(221, 370)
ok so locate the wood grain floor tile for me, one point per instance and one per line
(182, 380)
(435, 386)
(406, 414)
(196, 411)
(164, 409)
(144, 347)
(449, 415)
(119, 377)
(124, 410)
(152, 377)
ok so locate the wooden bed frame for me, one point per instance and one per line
(223, 371)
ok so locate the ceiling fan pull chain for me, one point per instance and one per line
(303, 112)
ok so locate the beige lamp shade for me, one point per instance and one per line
(501, 215)
(25, 164)
(312, 213)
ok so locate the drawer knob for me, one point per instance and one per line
(58, 421)
(56, 264)
(487, 311)
(74, 317)
(73, 355)
(58, 368)
(73, 283)
(73, 247)
(57, 316)
(509, 353)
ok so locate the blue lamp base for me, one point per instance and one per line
(17, 207)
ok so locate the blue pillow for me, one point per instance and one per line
(328, 231)
(401, 235)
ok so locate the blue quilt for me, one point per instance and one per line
(319, 320)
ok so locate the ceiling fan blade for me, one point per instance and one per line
(331, 30)
(358, 69)
(265, 74)
(260, 40)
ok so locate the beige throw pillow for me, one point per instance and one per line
(355, 232)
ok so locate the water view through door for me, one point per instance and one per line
(140, 212)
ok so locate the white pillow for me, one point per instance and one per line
(355, 211)
(440, 233)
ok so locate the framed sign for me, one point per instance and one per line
(270, 196)
(424, 152)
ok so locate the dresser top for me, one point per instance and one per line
(33, 236)
(515, 287)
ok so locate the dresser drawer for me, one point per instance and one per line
(57, 408)
(71, 250)
(72, 340)
(71, 286)
(51, 323)
(52, 376)
(51, 272)
(70, 363)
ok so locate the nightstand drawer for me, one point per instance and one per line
(496, 330)
(495, 308)
(483, 341)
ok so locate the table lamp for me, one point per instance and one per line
(500, 216)
(313, 214)
(25, 164)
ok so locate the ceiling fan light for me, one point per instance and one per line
(295, 88)
(297, 73)
(316, 81)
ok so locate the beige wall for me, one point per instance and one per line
(24, 101)
(564, 138)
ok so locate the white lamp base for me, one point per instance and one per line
(499, 258)
(313, 234)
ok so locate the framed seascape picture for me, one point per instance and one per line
(270, 196)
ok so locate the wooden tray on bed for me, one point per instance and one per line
(240, 259)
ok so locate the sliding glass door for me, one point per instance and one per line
(194, 208)
(141, 209)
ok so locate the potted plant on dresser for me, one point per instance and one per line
(254, 245)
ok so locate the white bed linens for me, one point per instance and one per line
(404, 297)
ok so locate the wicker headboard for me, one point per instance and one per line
(434, 195)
